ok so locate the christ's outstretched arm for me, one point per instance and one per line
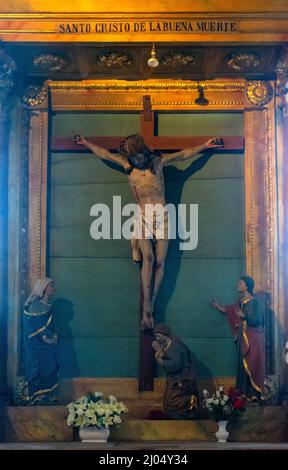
(102, 153)
(191, 152)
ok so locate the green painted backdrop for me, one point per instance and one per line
(97, 296)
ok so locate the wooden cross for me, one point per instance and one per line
(146, 356)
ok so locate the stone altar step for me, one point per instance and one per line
(37, 423)
(48, 424)
(165, 430)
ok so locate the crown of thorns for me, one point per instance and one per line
(138, 142)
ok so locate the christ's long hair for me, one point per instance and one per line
(132, 145)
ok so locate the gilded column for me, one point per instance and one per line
(262, 215)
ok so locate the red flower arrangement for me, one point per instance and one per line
(224, 406)
(238, 400)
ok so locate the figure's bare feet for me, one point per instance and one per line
(147, 321)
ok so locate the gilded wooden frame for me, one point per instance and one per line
(26, 22)
(261, 223)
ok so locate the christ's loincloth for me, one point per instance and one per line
(151, 226)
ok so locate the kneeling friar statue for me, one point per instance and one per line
(181, 395)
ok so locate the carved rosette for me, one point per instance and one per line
(34, 95)
(48, 62)
(242, 61)
(259, 92)
(177, 59)
(114, 60)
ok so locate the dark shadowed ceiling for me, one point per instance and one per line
(130, 61)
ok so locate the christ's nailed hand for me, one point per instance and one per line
(216, 142)
(78, 139)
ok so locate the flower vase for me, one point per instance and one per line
(222, 434)
(94, 434)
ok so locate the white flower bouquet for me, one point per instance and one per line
(95, 410)
(223, 406)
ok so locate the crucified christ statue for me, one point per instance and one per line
(145, 174)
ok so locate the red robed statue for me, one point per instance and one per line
(246, 320)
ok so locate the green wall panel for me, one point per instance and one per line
(85, 286)
(75, 168)
(97, 295)
(73, 203)
(216, 166)
(118, 357)
(220, 208)
(79, 168)
(186, 124)
(187, 290)
(213, 357)
(98, 357)
(95, 124)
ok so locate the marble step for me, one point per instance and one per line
(37, 423)
(48, 424)
(148, 430)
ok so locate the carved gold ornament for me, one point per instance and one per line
(270, 392)
(34, 95)
(147, 85)
(50, 62)
(242, 61)
(114, 60)
(127, 94)
(177, 59)
(259, 92)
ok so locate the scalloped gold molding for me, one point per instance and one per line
(165, 94)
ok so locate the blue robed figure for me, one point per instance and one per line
(40, 339)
